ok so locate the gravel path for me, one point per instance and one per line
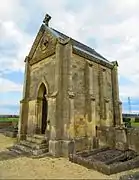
(44, 168)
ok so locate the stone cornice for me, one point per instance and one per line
(42, 56)
(89, 57)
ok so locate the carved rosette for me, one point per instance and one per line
(44, 43)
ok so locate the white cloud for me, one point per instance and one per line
(113, 25)
(7, 85)
(10, 33)
(12, 10)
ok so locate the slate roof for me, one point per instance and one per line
(80, 46)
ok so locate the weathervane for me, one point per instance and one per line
(46, 19)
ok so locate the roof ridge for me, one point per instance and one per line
(79, 44)
(72, 39)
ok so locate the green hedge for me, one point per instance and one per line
(126, 120)
(9, 119)
(137, 119)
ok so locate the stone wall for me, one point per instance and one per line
(41, 72)
(121, 139)
(106, 136)
(86, 87)
(133, 139)
(44, 69)
(31, 117)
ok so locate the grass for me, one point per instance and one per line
(9, 119)
(135, 124)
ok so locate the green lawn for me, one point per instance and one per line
(135, 124)
(9, 119)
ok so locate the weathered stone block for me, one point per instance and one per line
(68, 147)
(55, 148)
(121, 139)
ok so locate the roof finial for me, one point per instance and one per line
(46, 19)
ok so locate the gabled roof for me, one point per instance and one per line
(79, 46)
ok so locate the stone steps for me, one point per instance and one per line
(22, 148)
(34, 146)
(16, 151)
(36, 139)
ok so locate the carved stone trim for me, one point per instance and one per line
(117, 102)
(36, 41)
(27, 59)
(63, 41)
(120, 127)
(89, 57)
(90, 64)
(92, 97)
(115, 63)
(107, 100)
(120, 102)
(53, 95)
(42, 56)
(46, 20)
(71, 94)
(25, 100)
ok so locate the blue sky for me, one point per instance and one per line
(109, 26)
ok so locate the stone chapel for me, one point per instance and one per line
(69, 90)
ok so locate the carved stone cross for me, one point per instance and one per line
(46, 19)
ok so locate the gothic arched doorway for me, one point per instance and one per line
(42, 93)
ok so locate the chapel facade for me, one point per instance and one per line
(69, 90)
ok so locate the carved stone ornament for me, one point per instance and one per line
(90, 64)
(53, 95)
(63, 41)
(44, 43)
(92, 97)
(107, 100)
(46, 20)
(71, 94)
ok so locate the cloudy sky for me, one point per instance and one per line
(109, 26)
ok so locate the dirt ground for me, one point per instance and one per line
(44, 168)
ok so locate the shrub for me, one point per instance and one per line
(126, 120)
(136, 119)
(128, 124)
